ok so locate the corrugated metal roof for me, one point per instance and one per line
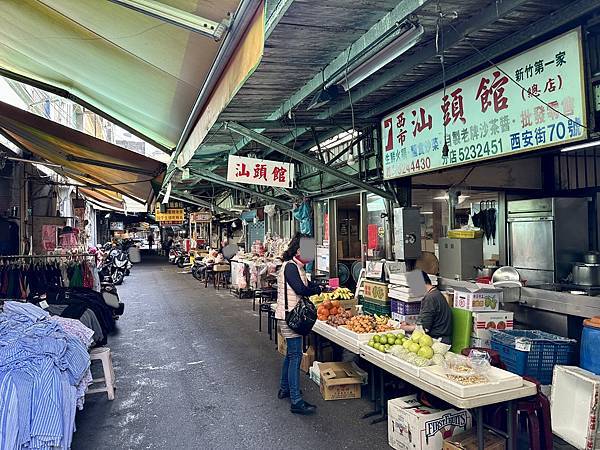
(310, 35)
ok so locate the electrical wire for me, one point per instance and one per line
(493, 64)
(440, 35)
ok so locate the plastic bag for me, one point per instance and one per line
(439, 348)
(467, 370)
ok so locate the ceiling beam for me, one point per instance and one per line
(217, 179)
(275, 17)
(192, 199)
(545, 25)
(302, 123)
(380, 33)
(301, 157)
(487, 16)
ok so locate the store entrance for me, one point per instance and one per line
(348, 238)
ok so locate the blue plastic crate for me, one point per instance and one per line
(532, 352)
(406, 308)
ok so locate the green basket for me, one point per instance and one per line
(371, 307)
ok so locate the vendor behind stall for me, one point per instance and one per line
(435, 316)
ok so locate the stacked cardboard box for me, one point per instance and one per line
(414, 426)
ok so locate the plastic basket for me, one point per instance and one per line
(406, 308)
(533, 352)
(370, 307)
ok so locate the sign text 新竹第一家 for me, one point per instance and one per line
(488, 115)
(263, 172)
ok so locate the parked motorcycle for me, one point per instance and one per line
(114, 264)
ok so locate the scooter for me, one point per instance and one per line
(113, 265)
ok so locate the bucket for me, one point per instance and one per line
(590, 345)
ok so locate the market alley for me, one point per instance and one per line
(193, 372)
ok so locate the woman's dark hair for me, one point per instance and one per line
(293, 247)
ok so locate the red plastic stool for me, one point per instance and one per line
(535, 411)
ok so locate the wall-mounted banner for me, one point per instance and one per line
(260, 171)
(489, 116)
(171, 217)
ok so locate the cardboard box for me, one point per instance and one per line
(575, 406)
(412, 426)
(315, 373)
(308, 358)
(468, 441)
(281, 343)
(428, 245)
(339, 381)
(477, 297)
(375, 290)
(483, 322)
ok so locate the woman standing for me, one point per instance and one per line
(293, 283)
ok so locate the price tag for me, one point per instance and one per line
(523, 345)
(43, 304)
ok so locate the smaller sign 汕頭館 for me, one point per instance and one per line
(264, 172)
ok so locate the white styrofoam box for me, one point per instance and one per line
(404, 318)
(363, 337)
(416, 427)
(575, 406)
(477, 297)
(398, 295)
(499, 380)
(403, 365)
(364, 348)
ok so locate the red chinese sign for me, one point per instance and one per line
(533, 100)
(260, 171)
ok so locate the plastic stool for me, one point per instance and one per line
(534, 411)
(104, 355)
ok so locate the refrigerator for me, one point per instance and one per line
(546, 237)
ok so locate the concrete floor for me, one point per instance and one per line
(194, 373)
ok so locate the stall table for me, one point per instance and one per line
(473, 403)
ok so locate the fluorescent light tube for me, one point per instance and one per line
(393, 50)
(580, 146)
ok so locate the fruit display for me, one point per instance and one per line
(420, 349)
(369, 324)
(338, 294)
(341, 318)
(384, 342)
(329, 308)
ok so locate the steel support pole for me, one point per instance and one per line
(217, 179)
(274, 145)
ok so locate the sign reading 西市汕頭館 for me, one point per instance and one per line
(488, 115)
(260, 171)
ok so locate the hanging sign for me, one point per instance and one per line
(488, 115)
(172, 216)
(260, 171)
(201, 216)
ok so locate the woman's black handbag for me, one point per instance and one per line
(302, 318)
